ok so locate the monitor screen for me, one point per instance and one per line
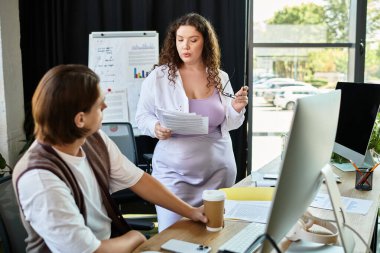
(358, 110)
(308, 150)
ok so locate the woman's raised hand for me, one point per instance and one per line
(241, 99)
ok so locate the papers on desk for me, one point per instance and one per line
(253, 211)
(249, 193)
(183, 123)
(352, 205)
(258, 211)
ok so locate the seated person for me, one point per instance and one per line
(63, 181)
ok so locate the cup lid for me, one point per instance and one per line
(213, 195)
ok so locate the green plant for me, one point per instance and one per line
(338, 159)
(317, 82)
(4, 167)
(374, 143)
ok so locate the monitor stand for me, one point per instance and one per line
(369, 161)
(346, 236)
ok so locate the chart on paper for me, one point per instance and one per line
(122, 60)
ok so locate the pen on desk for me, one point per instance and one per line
(374, 167)
(356, 168)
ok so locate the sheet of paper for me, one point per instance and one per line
(183, 123)
(353, 205)
(253, 211)
(117, 111)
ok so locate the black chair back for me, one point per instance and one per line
(122, 135)
(12, 232)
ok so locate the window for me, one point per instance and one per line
(372, 58)
(317, 42)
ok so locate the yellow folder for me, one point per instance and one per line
(249, 193)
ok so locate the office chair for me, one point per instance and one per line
(12, 232)
(122, 135)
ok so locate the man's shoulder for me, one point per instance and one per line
(23, 161)
(29, 159)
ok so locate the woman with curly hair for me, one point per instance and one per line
(188, 79)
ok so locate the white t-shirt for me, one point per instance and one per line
(51, 210)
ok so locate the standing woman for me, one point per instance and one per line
(188, 79)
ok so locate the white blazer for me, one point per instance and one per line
(158, 93)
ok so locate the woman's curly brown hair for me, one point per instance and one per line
(210, 54)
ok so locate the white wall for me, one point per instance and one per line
(11, 85)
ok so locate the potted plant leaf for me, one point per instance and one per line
(374, 143)
(4, 167)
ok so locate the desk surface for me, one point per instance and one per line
(196, 232)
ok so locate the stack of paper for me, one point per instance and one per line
(248, 203)
(183, 123)
(253, 211)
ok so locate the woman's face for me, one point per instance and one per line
(189, 44)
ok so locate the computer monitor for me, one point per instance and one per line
(310, 144)
(358, 110)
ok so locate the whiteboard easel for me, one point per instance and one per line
(122, 60)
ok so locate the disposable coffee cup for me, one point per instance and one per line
(213, 201)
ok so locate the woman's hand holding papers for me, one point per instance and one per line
(162, 133)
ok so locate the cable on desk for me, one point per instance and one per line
(360, 237)
(272, 242)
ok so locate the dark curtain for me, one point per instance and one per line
(56, 32)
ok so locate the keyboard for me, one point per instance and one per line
(243, 240)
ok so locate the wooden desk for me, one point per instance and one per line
(196, 232)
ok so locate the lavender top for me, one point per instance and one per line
(210, 107)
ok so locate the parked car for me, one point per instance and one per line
(287, 97)
(262, 78)
(269, 94)
(271, 83)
